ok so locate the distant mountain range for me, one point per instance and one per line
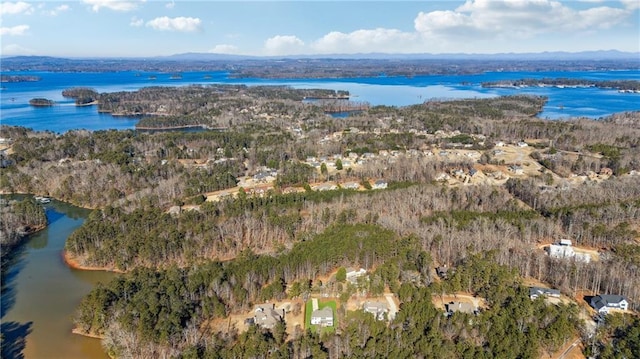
(558, 55)
(196, 56)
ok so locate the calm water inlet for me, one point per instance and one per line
(40, 293)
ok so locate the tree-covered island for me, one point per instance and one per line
(19, 78)
(41, 102)
(630, 86)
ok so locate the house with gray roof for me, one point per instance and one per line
(378, 309)
(353, 274)
(351, 185)
(379, 184)
(322, 317)
(461, 307)
(266, 316)
(535, 292)
(604, 302)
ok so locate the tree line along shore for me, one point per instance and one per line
(476, 186)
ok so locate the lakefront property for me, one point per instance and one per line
(453, 179)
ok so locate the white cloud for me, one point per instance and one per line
(284, 45)
(365, 41)
(116, 5)
(14, 8)
(170, 5)
(14, 31)
(57, 10)
(475, 26)
(182, 24)
(136, 22)
(514, 19)
(631, 4)
(15, 49)
(600, 17)
(224, 49)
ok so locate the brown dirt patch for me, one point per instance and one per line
(236, 321)
(439, 301)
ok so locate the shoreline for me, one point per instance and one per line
(168, 127)
(9, 249)
(8, 193)
(92, 103)
(88, 335)
(72, 262)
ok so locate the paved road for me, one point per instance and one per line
(393, 309)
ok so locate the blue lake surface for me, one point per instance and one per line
(392, 91)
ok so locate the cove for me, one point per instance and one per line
(40, 293)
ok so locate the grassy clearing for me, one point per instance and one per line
(308, 309)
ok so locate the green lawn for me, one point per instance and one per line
(321, 304)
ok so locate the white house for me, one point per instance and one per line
(379, 184)
(322, 317)
(351, 185)
(566, 251)
(535, 292)
(604, 302)
(378, 309)
(461, 307)
(353, 274)
(325, 187)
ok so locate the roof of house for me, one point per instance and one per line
(461, 307)
(603, 300)
(352, 271)
(375, 307)
(325, 312)
(543, 291)
(266, 316)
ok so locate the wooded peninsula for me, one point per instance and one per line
(276, 230)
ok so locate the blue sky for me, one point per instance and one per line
(136, 28)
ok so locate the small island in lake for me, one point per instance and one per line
(19, 78)
(41, 102)
(83, 96)
(624, 86)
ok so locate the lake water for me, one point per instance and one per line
(391, 91)
(40, 293)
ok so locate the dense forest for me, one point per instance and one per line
(19, 219)
(151, 314)
(193, 256)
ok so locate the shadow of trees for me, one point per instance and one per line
(12, 264)
(14, 338)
